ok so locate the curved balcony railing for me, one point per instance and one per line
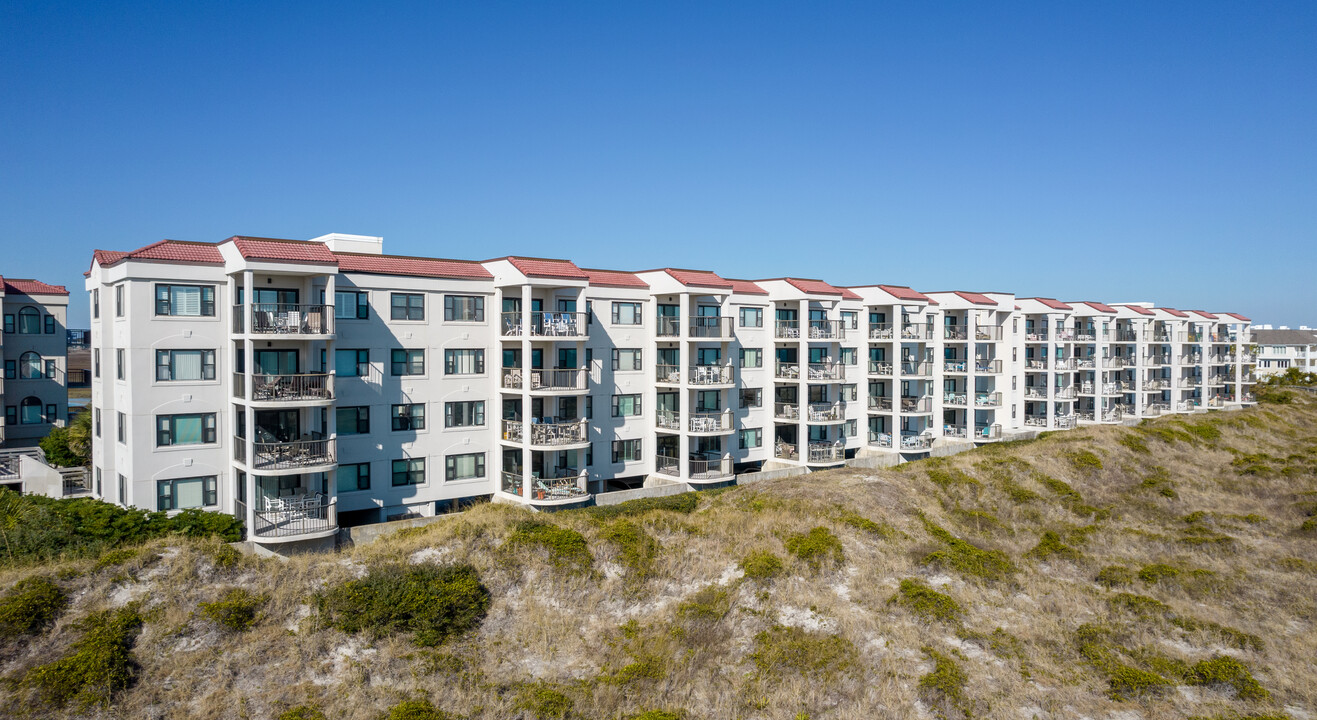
(293, 454)
(880, 368)
(826, 371)
(987, 367)
(288, 518)
(546, 434)
(985, 399)
(285, 388)
(825, 413)
(826, 452)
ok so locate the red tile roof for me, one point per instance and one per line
(294, 251)
(904, 293)
(745, 287)
(1138, 309)
(698, 278)
(614, 278)
(1049, 302)
(849, 294)
(815, 287)
(1174, 312)
(411, 266)
(1097, 306)
(172, 251)
(546, 267)
(1237, 316)
(32, 287)
(1207, 315)
(976, 298)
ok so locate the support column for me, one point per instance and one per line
(685, 407)
(526, 460)
(249, 415)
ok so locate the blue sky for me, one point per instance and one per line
(1116, 151)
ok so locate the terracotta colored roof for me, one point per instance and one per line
(816, 287)
(175, 251)
(413, 266)
(849, 294)
(1174, 312)
(108, 257)
(698, 278)
(1049, 302)
(745, 287)
(976, 298)
(1237, 316)
(296, 251)
(904, 293)
(32, 287)
(545, 267)
(614, 278)
(1207, 315)
(1138, 309)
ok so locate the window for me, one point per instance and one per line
(123, 490)
(464, 362)
(589, 407)
(96, 421)
(353, 477)
(9, 323)
(752, 438)
(752, 357)
(29, 366)
(29, 321)
(626, 313)
(175, 365)
(122, 427)
(185, 300)
(50, 324)
(408, 471)
(850, 356)
(196, 429)
(752, 397)
(95, 303)
(352, 420)
(11, 414)
(464, 467)
(752, 317)
(407, 306)
(464, 308)
(119, 370)
(30, 412)
(408, 417)
(850, 320)
(352, 363)
(850, 428)
(408, 362)
(52, 412)
(118, 301)
(50, 369)
(464, 414)
(96, 362)
(351, 304)
(626, 451)
(626, 405)
(185, 493)
(626, 359)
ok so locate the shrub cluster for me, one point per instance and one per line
(966, 557)
(30, 606)
(434, 603)
(761, 565)
(567, 548)
(100, 663)
(237, 610)
(786, 648)
(923, 600)
(817, 548)
(684, 503)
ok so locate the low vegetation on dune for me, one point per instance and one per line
(1164, 570)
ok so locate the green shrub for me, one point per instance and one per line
(543, 701)
(946, 477)
(943, 689)
(1141, 606)
(1227, 671)
(637, 549)
(1159, 480)
(684, 503)
(100, 663)
(965, 557)
(117, 556)
(1050, 545)
(30, 606)
(1157, 572)
(567, 548)
(225, 557)
(1115, 575)
(785, 648)
(1073, 501)
(709, 604)
(417, 710)
(1206, 430)
(1018, 493)
(432, 602)
(926, 602)
(864, 524)
(1084, 460)
(1134, 443)
(659, 715)
(761, 565)
(302, 712)
(236, 611)
(817, 548)
(1126, 681)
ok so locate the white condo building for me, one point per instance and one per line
(308, 385)
(34, 389)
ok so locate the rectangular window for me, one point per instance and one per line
(52, 413)
(752, 438)
(50, 324)
(177, 365)
(123, 490)
(626, 451)
(185, 300)
(96, 421)
(626, 405)
(352, 478)
(589, 407)
(752, 317)
(464, 467)
(408, 362)
(197, 429)
(626, 313)
(850, 320)
(850, 356)
(408, 417)
(408, 471)
(122, 427)
(118, 301)
(351, 304)
(851, 428)
(850, 393)
(464, 308)
(626, 359)
(185, 493)
(464, 362)
(407, 306)
(96, 362)
(9, 323)
(50, 369)
(752, 357)
(11, 369)
(464, 414)
(11, 414)
(352, 420)
(95, 303)
(752, 397)
(352, 363)
(120, 371)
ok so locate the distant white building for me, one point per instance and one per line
(34, 389)
(1282, 348)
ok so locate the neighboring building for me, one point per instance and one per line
(1282, 348)
(305, 385)
(34, 389)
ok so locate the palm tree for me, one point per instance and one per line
(13, 510)
(79, 437)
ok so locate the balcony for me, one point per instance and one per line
(955, 332)
(880, 439)
(1086, 335)
(827, 330)
(880, 368)
(1086, 363)
(711, 327)
(880, 404)
(1161, 337)
(289, 519)
(915, 443)
(547, 434)
(312, 387)
(1035, 365)
(1189, 382)
(953, 431)
(708, 469)
(1112, 389)
(954, 399)
(826, 371)
(917, 369)
(699, 423)
(1190, 337)
(783, 450)
(1124, 336)
(1218, 380)
(787, 330)
(1065, 335)
(1157, 360)
(1113, 363)
(916, 404)
(825, 414)
(292, 455)
(826, 453)
(1031, 335)
(987, 367)
(1065, 422)
(911, 331)
(1113, 415)
(1039, 421)
(881, 331)
(706, 375)
(1034, 392)
(282, 319)
(548, 381)
(564, 325)
(987, 432)
(787, 371)
(1157, 384)
(957, 367)
(1065, 364)
(987, 400)
(565, 488)
(989, 333)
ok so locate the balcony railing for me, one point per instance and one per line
(705, 468)
(1065, 335)
(987, 333)
(917, 369)
(1035, 364)
(547, 434)
(1191, 359)
(881, 368)
(985, 399)
(1156, 384)
(916, 405)
(953, 431)
(786, 450)
(912, 331)
(547, 380)
(826, 453)
(1086, 363)
(954, 332)
(710, 326)
(954, 366)
(285, 388)
(787, 329)
(881, 331)
(712, 375)
(1190, 337)
(1111, 388)
(987, 367)
(827, 330)
(1034, 392)
(1064, 392)
(1065, 422)
(825, 413)
(670, 374)
(915, 443)
(1031, 335)
(1161, 337)
(668, 326)
(282, 319)
(1035, 421)
(1113, 363)
(1190, 382)
(880, 404)
(786, 411)
(827, 371)
(287, 518)
(711, 422)
(987, 432)
(1125, 336)
(1218, 380)
(787, 371)
(1086, 335)
(1157, 360)
(1113, 415)
(880, 439)
(1155, 409)
(293, 454)
(568, 486)
(1065, 364)
(546, 324)
(954, 398)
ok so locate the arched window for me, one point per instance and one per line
(30, 411)
(29, 321)
(29, 366)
